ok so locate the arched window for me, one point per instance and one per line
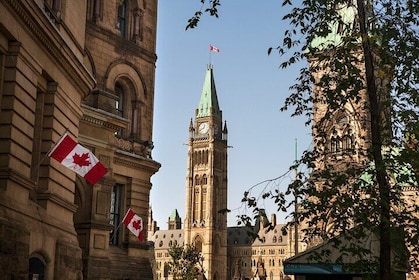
(334, 144)
(198, 243)
(36, 268)
(340, 135)
(348, 142)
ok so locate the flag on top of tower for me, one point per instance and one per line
(214, 49)
(77, 158)
(134, 223)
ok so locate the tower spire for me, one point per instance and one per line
(208, 103)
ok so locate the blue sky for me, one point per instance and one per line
(251, 89)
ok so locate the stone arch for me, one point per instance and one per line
(127, 70)
(89, 62)
(38, 262)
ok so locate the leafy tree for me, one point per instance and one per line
(363, 66)
(185, 264)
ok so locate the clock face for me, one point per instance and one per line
(203, 128)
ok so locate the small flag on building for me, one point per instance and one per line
(79, 159)
(134, 223)
(214, 49)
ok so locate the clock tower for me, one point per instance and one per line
(206, 183)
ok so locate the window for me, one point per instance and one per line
(348, 140)
(53, 9)
(121, 22)
(36, 268)
(196, 205)
(204, 203)
(341, 137)
(120, 100)
(204, 180)
(115, 213)
(119, 104)
(334, 144)
(198, 244)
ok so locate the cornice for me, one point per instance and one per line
(136, 162)
(101, 118)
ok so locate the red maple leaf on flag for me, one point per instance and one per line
(136, 224)
(82, 160)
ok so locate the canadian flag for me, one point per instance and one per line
(214, 49)
(79, 159)
(134, 223)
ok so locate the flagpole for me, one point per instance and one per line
(116, 230)
(210, 55)
(295, 205)
(45, 156)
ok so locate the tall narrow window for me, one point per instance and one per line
(334, 145)
(198, 243)
(196, 205)
(204, 203)
(121, 23)
(348, 140)
(119, 104)
(115, 213)
(37, 136)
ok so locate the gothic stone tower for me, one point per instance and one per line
(206, 183)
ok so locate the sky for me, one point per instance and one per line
(251, 89)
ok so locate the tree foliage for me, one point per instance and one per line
(186, 262)
(360, 96)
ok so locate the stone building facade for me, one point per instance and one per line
(85, 68)
(244, 251)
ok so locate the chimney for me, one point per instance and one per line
(273, 220)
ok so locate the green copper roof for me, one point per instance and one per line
(174, 216)
(334, 38)
(208, 104)
(347, 27)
